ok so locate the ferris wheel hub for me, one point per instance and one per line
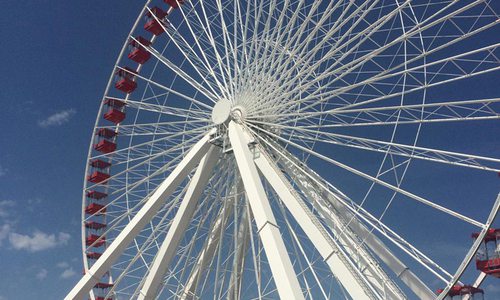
(221, 112)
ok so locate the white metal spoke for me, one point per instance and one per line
(372, 95)
(436, 155)
(385, 184)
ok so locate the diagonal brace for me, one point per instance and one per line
(179, 225)
(143, 216)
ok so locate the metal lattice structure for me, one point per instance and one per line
(265, 150)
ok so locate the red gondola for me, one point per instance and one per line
(94, 225)
(96, 240)
(488, 256)
(100, 164)
(458, 292)
(98, 177)
(93, 255)
(116, 110)
(95, 209)
(152, 25)
(114, 116)
(106, 133)
(174, 3)
(138, 53)
(102, 285)
(125, 80)
(105, 146)
(95, 195)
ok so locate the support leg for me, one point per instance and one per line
(341, 268)
(178, 227)
(143, 216)
(376, 245)
(239, 258)
(281, 267)
(208, 251)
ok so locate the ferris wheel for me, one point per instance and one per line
(293, 149)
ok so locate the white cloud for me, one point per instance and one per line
(42, 274)
(57, 119)
(68, 273)
(38, 241)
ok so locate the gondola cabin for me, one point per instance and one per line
(93, 255)
(125, 80)
(105, 146)
(153, 24)
(95, 209)
(106, 133)
(488, 255)
(116, 110)
(138, 52)
(98, 177)
(95, 195)
(459, 292)
(174, 3)
(95, 225)
(95, 240)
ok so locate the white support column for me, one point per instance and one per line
(370, 239)
(143, 216)
(239, 258)
(282, 270)
(345, 273)
(178, 227)
(208, 251)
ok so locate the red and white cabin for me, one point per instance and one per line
(116, 111)
(488, 255)
(138, 52)
(125, 80)
(459, 292)
(152, 25)
(174, 3)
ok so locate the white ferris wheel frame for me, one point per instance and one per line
(254, 164)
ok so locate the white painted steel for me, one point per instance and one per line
(337, 216)
(281, 266)
(313, 84)
(339, 263)
(143, 216)
(208, 251)
(179, 225)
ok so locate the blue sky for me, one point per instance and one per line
(57, 57)
(56, 60)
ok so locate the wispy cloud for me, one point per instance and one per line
(3, 171)
(42, 274)
(38, 241)
(57, 119)
(68, 273)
